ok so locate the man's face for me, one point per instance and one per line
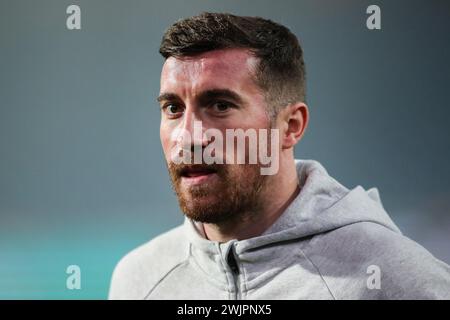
(218, 89)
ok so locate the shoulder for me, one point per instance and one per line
(350, 255)
(143, 268)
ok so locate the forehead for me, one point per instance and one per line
(228, 68)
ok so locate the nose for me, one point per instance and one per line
(192, 131)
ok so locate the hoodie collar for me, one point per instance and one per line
(323, 204)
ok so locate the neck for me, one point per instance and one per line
(284, 188)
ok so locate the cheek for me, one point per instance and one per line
(257, 118)
(262, 118)
(165, 137)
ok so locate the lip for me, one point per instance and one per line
(199, 178)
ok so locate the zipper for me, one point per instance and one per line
(232, 264)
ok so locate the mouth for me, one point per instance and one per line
(197, 174)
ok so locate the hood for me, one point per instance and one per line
(323, 204)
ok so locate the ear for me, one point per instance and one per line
(292, 121)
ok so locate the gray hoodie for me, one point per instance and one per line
(330, 243)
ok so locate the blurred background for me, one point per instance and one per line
(82, 175)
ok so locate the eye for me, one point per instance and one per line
(221, 106)
(172, 110)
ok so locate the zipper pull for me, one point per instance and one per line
(231, 260)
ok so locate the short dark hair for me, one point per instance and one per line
(281, 69)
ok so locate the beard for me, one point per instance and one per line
(234, 194)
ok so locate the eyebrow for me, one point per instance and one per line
(205, 96)
(167, 96)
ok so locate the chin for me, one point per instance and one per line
(203, 204)
(202, 210)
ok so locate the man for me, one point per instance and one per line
(293, 233)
